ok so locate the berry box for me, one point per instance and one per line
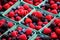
(5, 25)
(18, 11)
(6, 4)
(35, 3)
(37, 19)
(52, 6)
(53, 30)
(19, 33)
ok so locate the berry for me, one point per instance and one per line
(47, 31)
(14, 33)
(28, 20)
(28, 31)
(19, 28)
(38, 27)
(18, 18)
(40, 23)
(0, 7)
(53, 35)
(23, 37)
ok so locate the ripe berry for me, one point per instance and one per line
(53, 35)
(14, 33)
(0, 7)
(38, 27)
(28, 31)
(28, 20)
(47, 31)
(10, 24)
(18, 18)
(19, 28)
(23, 37)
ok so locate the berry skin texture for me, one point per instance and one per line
(47, 31)
(28, 20)
(54, 11)
(28, 31)
(58, 31)
(10, 24)
(37, 14)
(38, 27)
(6, 6)
(11, 14)
(49, 17)
(0, 7)
(31, 25)
(23, 37)
(53, 35)
(14, 33)
(18, 18)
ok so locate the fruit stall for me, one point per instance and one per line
(29, 19)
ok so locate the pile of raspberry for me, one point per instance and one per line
(18, 13)
(34, 2)
(53, 31)
(37, 20)
(18, 34)
(52, 6)
(5, 4)
(5, 25)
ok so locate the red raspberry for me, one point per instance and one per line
(1, 23)
(37, 14)
(3, 20)
(18, 18)
(6, 6)
(0, 7)
(59, 24)
(49, 10)
(3, 39)
(28, 31)
(54, 11)
(36, 0)
(40, 23)
(38, 27)
(53, 35)
(23, 37)
(58, 31)
(29, 9)
(20, 7)
(28, 20)
(37, 3)
(11, 3)
(45, 22)
(57, 21)
(49, 17)
(26, 6)
(11, 14)
(12, 18)
(54, 6)
(47, 31)
(19, 28)
(52, 2)
(10, 24)
(37, 38)
(30, 2)
(21, 12)
(14, 34)
(31, 25)
(40, 1)
(25, 12)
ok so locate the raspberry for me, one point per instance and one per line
(40, 23)
(37, 38)
(11, 14)
(19, 28)
(37, 14)
(14, 34)
(54, 11)
(18, 18)
(52, 2)
(26, 6)
(58, 31)
(23, 37)
(0, 7)
(30, 2)
(38, 27)
(53, 35)
(10, 3)
(31, 25)
(47, 31)
(28, 20)
(54, 6)
(20, 7)
(28, 31)
(49, 17)
(10, 24)
(6, 6)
